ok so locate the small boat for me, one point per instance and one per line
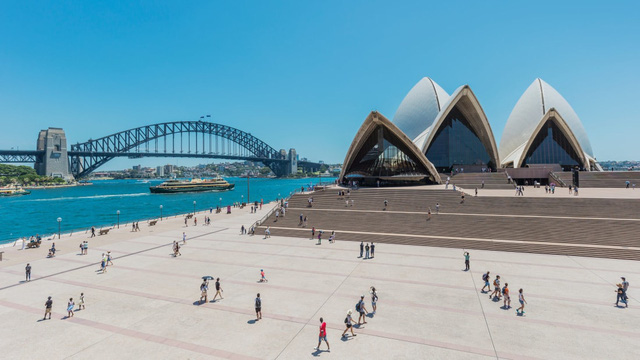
(13, 191)
(194, 185)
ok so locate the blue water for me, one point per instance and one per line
(81, 207)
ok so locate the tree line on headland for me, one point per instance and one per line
(25, 176)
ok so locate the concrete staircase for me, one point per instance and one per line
(494, 180)
(536, 225)
(602, 179)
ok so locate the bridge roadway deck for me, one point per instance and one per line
(564, 225)
(145, 305)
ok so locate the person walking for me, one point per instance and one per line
(81, 303)
(267, 232)
(522, 302)
(366, 249)
(47, 308)
(373, 249)
(374, 300)
(507, 298)
(476, 192)
(70, 306)
(487, 284)
(204, 291)
(184, 238)
(301, 219)
(466, 261)
(496, 288)
(185, 222)
(313, 232)
(262, 277)
(437, 208)
(93, 231)
(361, 248)
(258, 304)
(385, 204)
(348, 322)
(109, 262)
(323, 336)
(428, 214)
(27, 272)
(362, 310)
(219, 290)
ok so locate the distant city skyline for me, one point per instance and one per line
(306, 75)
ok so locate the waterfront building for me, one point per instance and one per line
(451, 130)
(380, 151)
(544, 129)
(160, 171)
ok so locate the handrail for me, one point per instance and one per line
(555, 177)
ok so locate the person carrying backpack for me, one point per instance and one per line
(258, 304)
(362, 310)
(348, 321)
(485, 278)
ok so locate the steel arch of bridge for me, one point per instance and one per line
(88, 156)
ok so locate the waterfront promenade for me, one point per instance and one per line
(145, 305)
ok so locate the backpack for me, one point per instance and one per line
(485, 277)
(358, 307)
(346, 320)
(503, 289)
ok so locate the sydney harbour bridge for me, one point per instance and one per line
(188, 139)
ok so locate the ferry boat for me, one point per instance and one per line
(13, 191)
(194, 185)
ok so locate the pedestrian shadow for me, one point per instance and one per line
(370, 315)
(39, 320)
(317, 352)
(197, 303)
(252, 321)
(496, 299)
(346, 338)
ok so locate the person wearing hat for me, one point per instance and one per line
(360, 308)
(47, 308)
(348, 321)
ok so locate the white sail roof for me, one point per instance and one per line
(420, 107)
(525, 117)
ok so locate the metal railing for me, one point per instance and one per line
(555, 177)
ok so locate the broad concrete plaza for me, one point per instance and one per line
(146, 304)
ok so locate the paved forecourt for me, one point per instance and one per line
(146, 303)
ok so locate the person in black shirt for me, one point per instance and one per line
(47, 308)
(218, 290)
(27, 272)
(361, 248)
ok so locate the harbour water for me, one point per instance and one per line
(81, 207)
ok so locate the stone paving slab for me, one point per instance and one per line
(146, 304)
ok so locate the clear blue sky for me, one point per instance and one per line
(305, 74)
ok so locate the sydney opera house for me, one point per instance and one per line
(434, 132)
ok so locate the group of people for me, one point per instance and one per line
(303, 221)
(499, 293)
(349, 322)
(204, 290)
(84, 247)
(106, 261)
(366, 248)
(176, 249)
(48, 306)
(502, 293)
(52, 251)
(622, 292)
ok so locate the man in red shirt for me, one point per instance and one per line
(323, 335)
